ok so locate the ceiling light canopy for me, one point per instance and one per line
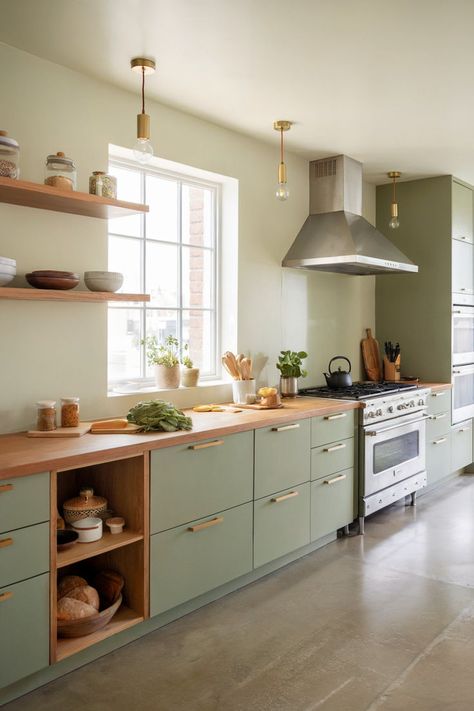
(143, 149)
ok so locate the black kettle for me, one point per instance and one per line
(339, 378)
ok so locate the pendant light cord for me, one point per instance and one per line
(281, 145)
(394, 179)
(143, 90)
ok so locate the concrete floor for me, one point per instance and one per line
(383, 622)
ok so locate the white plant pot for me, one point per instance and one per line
(189, 377)
(167, 378)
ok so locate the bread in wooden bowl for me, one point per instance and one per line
(85, 593)
(109, 585)
(68, 583)
(271, 401)
(71, 609)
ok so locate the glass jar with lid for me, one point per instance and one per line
(103, 184)
(46, 420)
(9, 156)
(69, 412)
(60, 172)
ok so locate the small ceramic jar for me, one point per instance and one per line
(89, 529)
(116, 524)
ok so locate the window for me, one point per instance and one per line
(170, 253)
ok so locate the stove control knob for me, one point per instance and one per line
(412, 403)
(421, 402)
(371, 414)
(379, 413)
(390, 409)
(400, 407)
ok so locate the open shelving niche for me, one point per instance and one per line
(125, 485)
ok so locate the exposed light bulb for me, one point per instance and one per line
(282, 192)
(394, 223)
(143, 150)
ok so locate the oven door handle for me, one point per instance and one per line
(374, 433)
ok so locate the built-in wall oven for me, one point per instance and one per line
(463, 392)
(463, 357)
(463, 334)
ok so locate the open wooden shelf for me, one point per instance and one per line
(108, 542)
(45, 197)
(25, 294)
(122, 620)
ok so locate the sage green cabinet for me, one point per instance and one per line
(461, 445)
(24, 501)
(462, 209)
(332, 503)
(332, 428)
(194, 480)
(282, 457)
(281, 523)
(438, 457)
(439, 401)
(463, 267)
(333, 457)
(190, 560)
(24, 553)
(24, 629)
(438, 425)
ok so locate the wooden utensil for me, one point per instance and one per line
(230, 364)
(371, 357)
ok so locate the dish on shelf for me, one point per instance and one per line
(103, 281)
(7, 270)
(7, 262)
(88, 625)
(89, 529)
(65, 539)
(50, 279)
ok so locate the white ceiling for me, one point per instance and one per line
(388, 83)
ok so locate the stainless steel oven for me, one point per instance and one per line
(463, 392)
(463, 334)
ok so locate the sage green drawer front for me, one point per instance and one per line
(24, 553)
(332, 458)
(24, 501)
(461, 445)
(438, 458)
(332, 503)
(438, 425)
(439, 401)
(332, 428)
(24, 629)
(186, 563)
(282, 457)
(281, 523)
(196, 480)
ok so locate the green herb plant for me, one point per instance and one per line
(186, 359)
(166, 353)
(290, 362)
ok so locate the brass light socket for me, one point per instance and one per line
(139, 63)
(282, 125)
(394, 174)
(143, 126)
(394, 209)
(282, 173)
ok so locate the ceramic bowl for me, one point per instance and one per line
(66, 539)
(116, 524)
(7, 262)
(89, 529)
(41, 281)
(103, 281)
(5, 277)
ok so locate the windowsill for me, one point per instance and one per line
(134, 389)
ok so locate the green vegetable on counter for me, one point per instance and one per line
(159, 415)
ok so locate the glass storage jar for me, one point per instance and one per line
(9, 156)
(69, 412)
(46, 415)
(103, 184)
(60, 172)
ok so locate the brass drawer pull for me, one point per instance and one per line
(464, 429)
(4, 542)
(341, 477)
(5, 487)
(206, 524)
(205, 445)
(342, 445)
(5, 596)
(336, 417)
(438, 417)
(440, 441)
(438, 394)
(284, 497)
(283, 428)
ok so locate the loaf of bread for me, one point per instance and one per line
(109, 585)
(68, 583)
(71, 609)
(85, 593)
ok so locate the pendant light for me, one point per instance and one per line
(282, 192)
(143, 150)
(394, 222)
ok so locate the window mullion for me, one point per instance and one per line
(180, 262)
(143, 275)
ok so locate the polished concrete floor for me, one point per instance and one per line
(383, 622)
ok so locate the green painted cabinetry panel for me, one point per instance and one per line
(185, 564)
(281, 523)
(332, 428)
(438, 425)
(282, 457)
(333, 457)
(463, 267)
(24, 629)
(332, 503)
(439, 401)
(438, 457)
(24, 501)
(461, 445)
(24, 553)
(462, 213)
(192, 481)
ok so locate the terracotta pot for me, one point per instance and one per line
(167, 378)
(189, 377)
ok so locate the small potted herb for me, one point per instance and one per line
(165, 358)
(289, 364)
(189, 374)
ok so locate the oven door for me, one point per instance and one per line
(463, 393)
(393, 452)
(463, 334)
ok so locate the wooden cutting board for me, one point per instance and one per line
(62, 431)
(371, 357)
(260, 407)
(129, 429)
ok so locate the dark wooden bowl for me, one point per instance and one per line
(66, 539)
(88, 625)
(52, 282)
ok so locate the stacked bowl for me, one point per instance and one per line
(7, 270)
(52, 279)
(103, 281)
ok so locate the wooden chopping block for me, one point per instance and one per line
(371, 357)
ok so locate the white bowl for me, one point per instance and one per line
(5, 278)
(6, 261)
(103, 281)
(89, 529)
(7, 269)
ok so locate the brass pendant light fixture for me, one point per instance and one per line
(394, 221)
(282, 192)
(143, 149)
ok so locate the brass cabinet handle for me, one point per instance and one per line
(284, 497)
(5, 596)
(336, 417)
(463, 429)
(336, 478)
(334, 448)
(205, 445)
(283, 428)
(5, 487)
(439, 441)
(4, 542)
(442, 394)
(438, 417)
(206, 524)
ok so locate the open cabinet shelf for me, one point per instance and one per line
(25, 294)
(108, 542)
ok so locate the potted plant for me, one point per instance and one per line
(289, 364)
(189, 374)
(165, 358)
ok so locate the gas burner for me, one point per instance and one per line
(358, 391)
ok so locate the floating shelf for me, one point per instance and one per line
(45, 197)
(25, 294)
(108, 542)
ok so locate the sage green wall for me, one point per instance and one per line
(49, 350)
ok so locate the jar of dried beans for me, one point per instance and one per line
(60, 172)
(102, 184)
(46, 415)
(69, 412)
(9, 157)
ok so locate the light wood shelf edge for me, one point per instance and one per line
(25, 294)
(108, 542)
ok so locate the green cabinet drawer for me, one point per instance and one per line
(24, 629)
(282, 457)
(332, 503)
(281, 524)
(438, 458)
(438, 425)
(332, 458)
(439, 401)
(332, 428)
(461, 445)
(24, 553)
(196, 480)
(24, 501)
(462, 214)
(186, 563)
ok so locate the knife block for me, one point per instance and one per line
(391, 371)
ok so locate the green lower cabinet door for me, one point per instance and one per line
(438, 458)
(332, 458)
(438, 425)
(24, 501)
(461, 445)
(281, 524)
(24, 553)
(282, 457)
(332, 428)
(332, 503)
(24, 629)
(191, 560)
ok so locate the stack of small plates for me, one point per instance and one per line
(7, 270)
(52, 279)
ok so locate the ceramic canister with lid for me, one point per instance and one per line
(60, 172)
(9, 156)
(84, 505)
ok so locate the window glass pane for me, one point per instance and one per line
(124, 333)
(197, 277)
(160, 323)
(125, 257)
(198, 332)
(162, 274)
(197, 206)
(129, 189)
(162, 220)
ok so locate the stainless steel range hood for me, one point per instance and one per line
(335, 237)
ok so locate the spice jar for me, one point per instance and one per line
(46, 415)
(69, 412)
(9, 156)
(60, 172)
(102, 184)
